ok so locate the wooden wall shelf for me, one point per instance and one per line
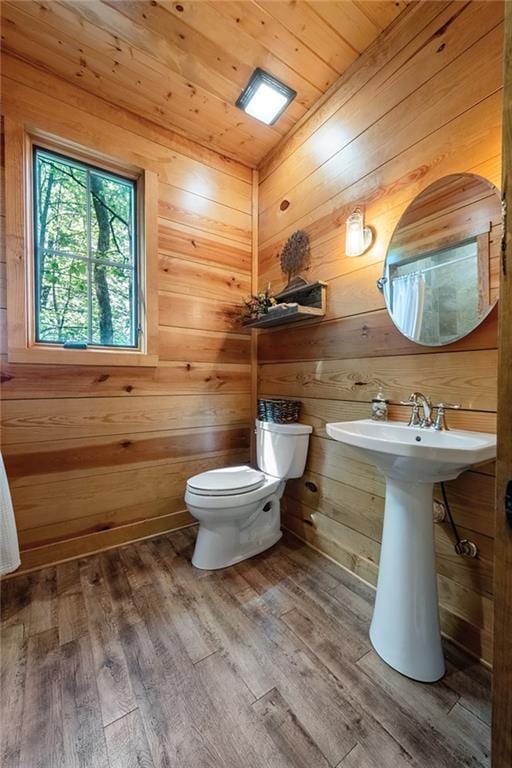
(308, 302)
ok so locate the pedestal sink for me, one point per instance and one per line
(405, 629)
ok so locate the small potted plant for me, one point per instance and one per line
(258, 304)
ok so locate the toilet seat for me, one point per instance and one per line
(233, 501)
(228, 481)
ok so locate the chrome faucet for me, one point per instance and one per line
(418, 400)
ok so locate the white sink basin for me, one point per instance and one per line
(405, 629)
(412, 453)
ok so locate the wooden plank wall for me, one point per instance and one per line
(98, 456)
(425, 102)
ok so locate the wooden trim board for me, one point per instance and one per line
(502, 680)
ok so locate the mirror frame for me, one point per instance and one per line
(382, 282)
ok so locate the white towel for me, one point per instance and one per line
(9, 549)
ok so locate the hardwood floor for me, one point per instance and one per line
(133, 659)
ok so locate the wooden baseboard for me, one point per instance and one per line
(57, 552)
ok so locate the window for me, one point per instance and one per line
(85, 254)
(81, 233)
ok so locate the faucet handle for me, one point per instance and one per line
(440, 420)
(414, 419)
(413, 400)
(449, 406)
(417, 397)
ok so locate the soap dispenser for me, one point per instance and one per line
(379, 407)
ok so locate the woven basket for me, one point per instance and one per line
(279, 411)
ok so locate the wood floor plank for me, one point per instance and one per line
(475, 733)
(323, 700)
(407, 727)
(301, 566)
(434, 700)
(163, 724)
(183, 542)
(72, 616)
(236, 637)
(231, 697)
(260, 661)
(12, 685)
(355, 602)
(68, 578)
(326, 573)
(357, 758)
(314, 696)
(112, 678)
(229, 636)
(204, 741)
(118, 585)
(437, 704)
(277, 599)
(471, 680)
(159, 557)
(16, 595)
(289, 735)
(139, 575)
(334, 617)
(43, 603)
(83, 736)
(352, 582)
(42, 743)
(245, 590)
(141, 660)
(127, 743)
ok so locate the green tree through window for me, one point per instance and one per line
(85, 253)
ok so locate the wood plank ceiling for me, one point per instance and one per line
(183, 64)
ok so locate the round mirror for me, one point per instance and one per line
(441, 273)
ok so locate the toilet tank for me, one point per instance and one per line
(282, 449)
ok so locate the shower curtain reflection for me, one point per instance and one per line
(408, 298)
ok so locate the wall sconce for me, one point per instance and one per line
(358, 237)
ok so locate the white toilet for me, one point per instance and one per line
(238, 508)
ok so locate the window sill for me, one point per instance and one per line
(58, 356)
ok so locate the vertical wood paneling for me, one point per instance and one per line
(420, 114)
(254, 289)
(502, 682)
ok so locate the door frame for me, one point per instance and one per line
(502, 663)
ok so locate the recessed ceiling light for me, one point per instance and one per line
(265, 97)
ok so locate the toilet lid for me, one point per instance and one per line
(227, 481)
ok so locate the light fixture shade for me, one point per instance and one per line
(358, 238)
(265, 97)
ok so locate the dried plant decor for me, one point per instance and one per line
(295, 257)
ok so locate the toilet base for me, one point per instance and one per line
(202, 554)
(234, 532)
